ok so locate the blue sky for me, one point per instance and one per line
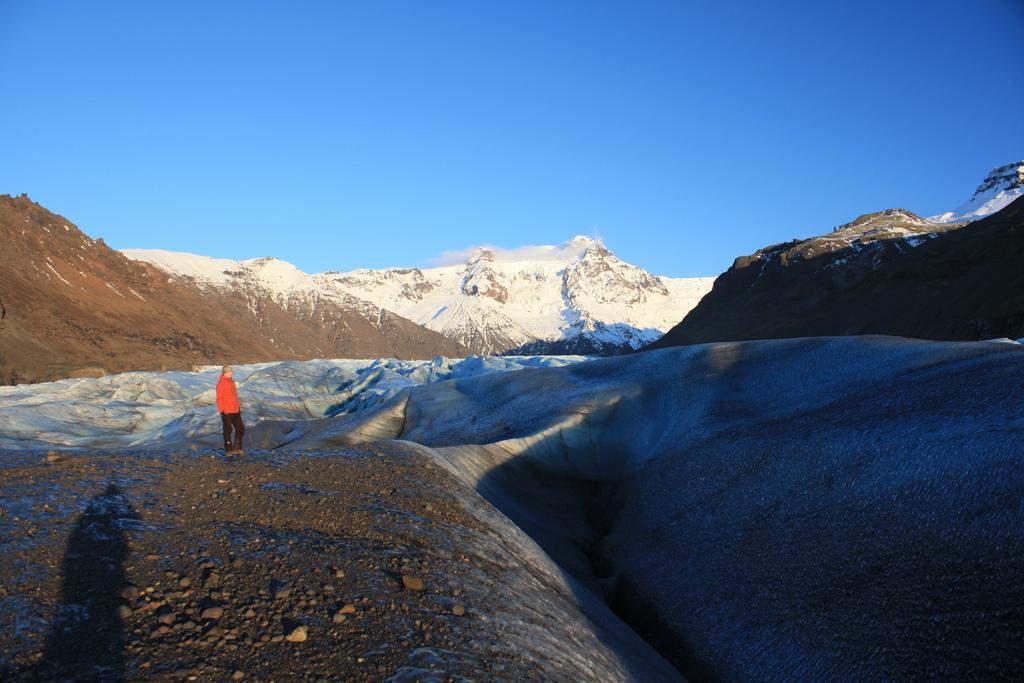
(341, 135)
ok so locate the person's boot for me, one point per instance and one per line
(228, 449)
(238, 447)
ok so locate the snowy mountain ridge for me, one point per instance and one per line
(1001, 186)
(896, 229)
(574, 298)
(265, 276)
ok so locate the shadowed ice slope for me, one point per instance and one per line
(795, 509)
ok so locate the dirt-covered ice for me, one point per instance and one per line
(190, 566)
(812, 509)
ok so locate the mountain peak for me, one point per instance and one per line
(1001, 186)
(576, 297)
(481, 254)
(587, 248)
(887, 218)
(1007, 177)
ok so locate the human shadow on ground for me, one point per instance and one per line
(86, 640)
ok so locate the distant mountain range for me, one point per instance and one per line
(71, 305)
(890, 272)
(577, 298)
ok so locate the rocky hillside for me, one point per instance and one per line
(72, 305)
(885, 273)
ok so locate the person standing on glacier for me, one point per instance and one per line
(230, 411)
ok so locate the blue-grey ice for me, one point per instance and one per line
(812, 509)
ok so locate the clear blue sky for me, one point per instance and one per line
(339, 135)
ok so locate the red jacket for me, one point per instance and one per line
(227, 396)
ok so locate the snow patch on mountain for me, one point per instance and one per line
(253, 278)
(890, 224)
(279, 278)
(1001, 186)
(203, 269)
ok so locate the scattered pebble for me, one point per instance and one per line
(212, 613)
(298, 635)
(412, 583)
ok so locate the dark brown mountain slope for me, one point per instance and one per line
(72, 304)
(910, 278)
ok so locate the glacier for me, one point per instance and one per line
(806, 509)
(160, 409)
(798, 509)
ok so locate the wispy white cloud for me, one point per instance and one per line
(567, 251)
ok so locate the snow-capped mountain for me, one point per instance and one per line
(268, 285)
(252, 278)
(578, 297)
(889, 272)
(72, 305)
(1001, 186)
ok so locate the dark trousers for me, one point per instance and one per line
(233, 420)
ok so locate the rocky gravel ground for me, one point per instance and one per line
(354, 565)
